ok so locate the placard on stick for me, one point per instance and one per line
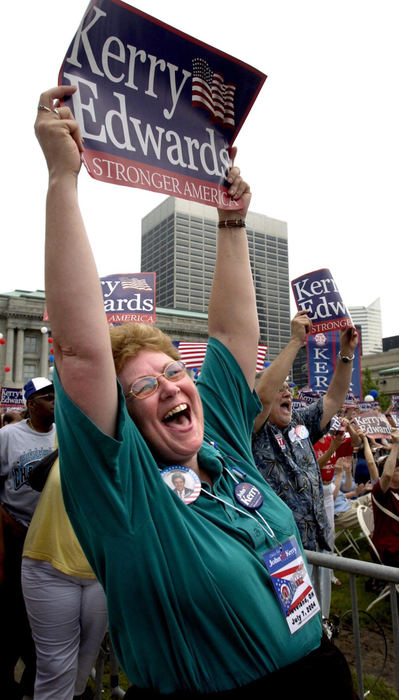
(157, 108)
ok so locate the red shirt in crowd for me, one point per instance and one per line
(344, 450)
(386, 529)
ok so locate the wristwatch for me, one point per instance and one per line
(345, 358)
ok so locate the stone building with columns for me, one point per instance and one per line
(25, 352)
(26, 349)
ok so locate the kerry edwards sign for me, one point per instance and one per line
(322, 350)
(395, 418)
(157, 109)
(11, 398)
(129, 297)
(373, 424)
(317, 294)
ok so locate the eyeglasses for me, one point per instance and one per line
(46, 397)
(143, 387)
(283, 389)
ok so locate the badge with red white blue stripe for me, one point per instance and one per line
(291, 584)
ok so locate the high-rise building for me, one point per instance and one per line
(369, 320)
(179, 244)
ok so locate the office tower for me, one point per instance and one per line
(369, 320)
(179, 244)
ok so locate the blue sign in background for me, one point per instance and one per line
(318, 295)
(322, 350)
(129, 297)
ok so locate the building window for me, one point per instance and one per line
(30, 370)
(30, 344)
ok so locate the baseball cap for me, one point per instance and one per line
(36, 384)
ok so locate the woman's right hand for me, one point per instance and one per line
(58, 133)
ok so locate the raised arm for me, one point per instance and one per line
(274, 376)
(82, 348)
(334, 444)
(390, 463)
(369, 457)
(339, 474)
(232, 314)
(341, 379)
(343, 468)
(355, 437)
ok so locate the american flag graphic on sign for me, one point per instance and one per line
(209, 91)
(135, 283)
(193, 355)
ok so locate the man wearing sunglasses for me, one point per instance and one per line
(22, 444)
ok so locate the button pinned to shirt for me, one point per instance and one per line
(280, 440)
(184, 482)
(302, 432)
(248, 496)
(299, 433)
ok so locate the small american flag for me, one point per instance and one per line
(135, 283)
(193, 355)
(209, 91)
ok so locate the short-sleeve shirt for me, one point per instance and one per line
(344, 450)
(50, 535)
(288, 463)
(190, 602)
(20, 448)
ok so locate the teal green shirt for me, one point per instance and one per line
(190, 603)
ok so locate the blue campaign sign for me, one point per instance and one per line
(157, 108)
(11, 398)
(318, 295)
(129, 297)
(322, 351)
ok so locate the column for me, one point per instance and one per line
(8, 376)
(44, 356)
(19, 357)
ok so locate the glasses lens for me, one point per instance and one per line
(144, 387)
(175, 371)
(46, 397)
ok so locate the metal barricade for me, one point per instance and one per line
(356, 567)
(107, 654)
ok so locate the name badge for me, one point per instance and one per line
(292, 585)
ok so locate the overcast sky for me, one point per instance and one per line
(320, 146)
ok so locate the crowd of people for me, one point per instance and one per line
(162, 505)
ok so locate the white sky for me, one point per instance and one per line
(320, 146)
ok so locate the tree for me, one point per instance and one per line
(370, 383)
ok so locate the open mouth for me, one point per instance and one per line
(180, 415)
(286, 405)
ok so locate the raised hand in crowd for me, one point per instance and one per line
(339, 474)
(58, 133)
(348, 339)
(340, 382)
(343, 467)
(360, 489)
(300, 327)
